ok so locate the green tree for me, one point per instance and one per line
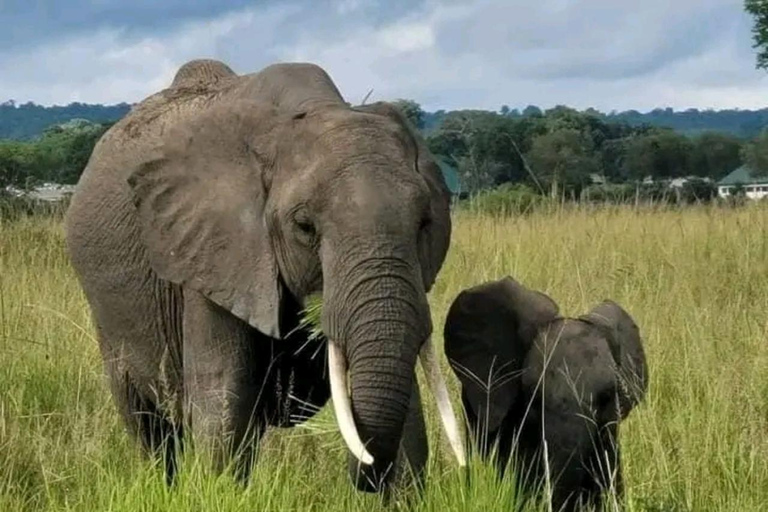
(659, 154)
(412, 111)
(487, 147)
(563, 157)
(532, 111)
(612, 155)
(759, 11)
(466, 138)
(755, 155)
(16, 163)
(64, 150)
(715, 155)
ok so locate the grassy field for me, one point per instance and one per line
(696, 281)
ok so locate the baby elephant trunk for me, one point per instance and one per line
(583, 464)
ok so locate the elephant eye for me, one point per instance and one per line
(304, 225)
(425, 223)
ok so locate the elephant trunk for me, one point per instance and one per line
(381, 389)
(377, 318)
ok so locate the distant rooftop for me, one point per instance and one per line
(450, 175)
(743, 176)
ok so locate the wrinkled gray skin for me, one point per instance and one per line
(567, 381)
(210, 212)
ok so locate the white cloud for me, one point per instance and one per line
(607, 54)
(407, 37)
(108, 67)
(348, 6)
(610, 54)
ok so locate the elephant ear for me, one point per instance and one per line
(626, 345)
(488, 332)
(200, 201)
(437, 235)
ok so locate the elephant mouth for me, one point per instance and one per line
(342, 404)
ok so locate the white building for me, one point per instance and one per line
(755, 187)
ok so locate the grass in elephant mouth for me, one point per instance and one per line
(311, 315)
(694, 279)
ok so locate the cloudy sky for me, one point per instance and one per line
(607, 54)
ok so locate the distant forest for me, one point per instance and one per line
(559, 149)
(744, 124)
(28, 120)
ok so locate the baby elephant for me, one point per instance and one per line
(530, 376)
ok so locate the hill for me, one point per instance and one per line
(29, 120)
(741, 123)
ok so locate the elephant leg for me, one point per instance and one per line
(158, 435)
(608, 470)
(222, 384)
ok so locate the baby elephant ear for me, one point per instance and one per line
(626, 346)
(200, 201)
(488, 332)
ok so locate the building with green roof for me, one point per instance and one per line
(755, 186)
(450, 175)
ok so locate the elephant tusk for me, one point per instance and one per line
(436, 384)
(342, 406)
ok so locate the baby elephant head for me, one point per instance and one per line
(552, 389)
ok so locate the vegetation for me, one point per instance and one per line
(28, 121)
(693, 278)
(690, 122)
(758, 9)
(755, 154)
(58, 156)
(559, 151)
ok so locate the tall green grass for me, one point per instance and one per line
(695, 279)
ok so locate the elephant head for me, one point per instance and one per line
(529, 376)
(279, 189)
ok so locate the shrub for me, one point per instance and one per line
(696, 190)
(610, 193)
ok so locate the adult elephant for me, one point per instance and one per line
(549, 389)
(205, 218)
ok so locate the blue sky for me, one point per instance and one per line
(607, 54)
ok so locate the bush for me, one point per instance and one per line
(656, 192)
(507, 199)
(696, 190)
(609, 193)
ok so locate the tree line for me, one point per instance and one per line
(563, 149)
(26, 121)
(692, 121)
(560, 149)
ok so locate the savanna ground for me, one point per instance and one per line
(694, 279)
